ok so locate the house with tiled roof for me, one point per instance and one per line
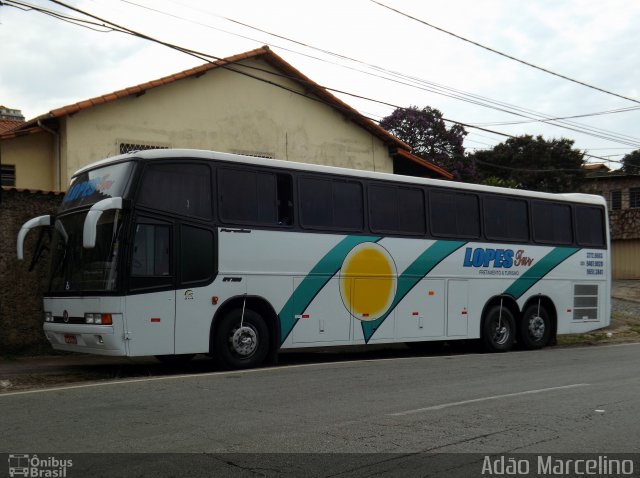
(254, 103)
(622, 193)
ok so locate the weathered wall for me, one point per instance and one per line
(21, 314)
(224, 111)
(32, 156)
(219, 110)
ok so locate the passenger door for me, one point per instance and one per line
(194, 306)
(150, 306)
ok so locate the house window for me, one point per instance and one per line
(8, 175)
(131, 147)
(634, 197)
(616, 200)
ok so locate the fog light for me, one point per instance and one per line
(99, 337)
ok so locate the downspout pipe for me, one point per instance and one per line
(56, 154)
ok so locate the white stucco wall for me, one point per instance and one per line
(224, 111)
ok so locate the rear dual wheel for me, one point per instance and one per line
(498, 329)
(535, 328)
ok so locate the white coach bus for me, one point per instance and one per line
(179, 252)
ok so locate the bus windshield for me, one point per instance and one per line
(97, 184)
(76, 269)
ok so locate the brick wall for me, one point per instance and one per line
(21, 314)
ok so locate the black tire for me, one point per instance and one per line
(498, 329)
(175, 359)
(234, 348)
(535, 328)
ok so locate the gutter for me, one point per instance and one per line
(56, 154)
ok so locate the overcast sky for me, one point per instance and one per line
(47, 63)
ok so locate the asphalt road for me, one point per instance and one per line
(557, 400)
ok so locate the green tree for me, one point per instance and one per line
(426, 132)
(631, 162)
(533, 163)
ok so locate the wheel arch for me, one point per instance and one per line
(261, 306)
(507, 301)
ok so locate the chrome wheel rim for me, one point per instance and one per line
(536, 327)
(501, 333)
(244, 341)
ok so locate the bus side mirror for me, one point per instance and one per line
(93, 216)
(26, 227)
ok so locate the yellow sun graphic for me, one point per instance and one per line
(368, 281)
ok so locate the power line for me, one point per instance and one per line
(207, 57)
(424, 85)
(559, 75)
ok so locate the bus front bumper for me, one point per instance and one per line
(91, 339)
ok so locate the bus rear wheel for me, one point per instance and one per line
(498, 329)
(241, 342)
(535, 328)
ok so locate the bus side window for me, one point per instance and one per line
(151, 251)
(590, 226)
(197, 259)
(285, 199)
(551, 222)
(454, 214)
(183, 189)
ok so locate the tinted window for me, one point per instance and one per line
(590, 226)
(196, 254)
(335, 204)
(396, 209)
(151, 251)
(506, 219)
(97, 184)
(183, 189)
(552, 223)
(454, 214)
(254, 197)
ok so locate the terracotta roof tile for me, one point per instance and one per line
(9, 124)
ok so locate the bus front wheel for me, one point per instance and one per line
(535, 329)
(498, 329)
(241, 341)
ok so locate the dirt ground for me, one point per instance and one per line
(25, 373)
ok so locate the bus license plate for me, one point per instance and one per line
(70, 339)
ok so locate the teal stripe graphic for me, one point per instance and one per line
(416, 271)
(539, 270)
(315, 281)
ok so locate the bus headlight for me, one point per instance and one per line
(48, 317)
(97, 318)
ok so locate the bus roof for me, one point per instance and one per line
(153, 154)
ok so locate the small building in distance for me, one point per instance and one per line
(622, 192)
